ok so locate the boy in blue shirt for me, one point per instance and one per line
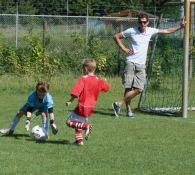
(39, 100)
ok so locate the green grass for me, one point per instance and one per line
(145, 145)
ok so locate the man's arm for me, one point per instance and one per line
(117, 39)
(174, 29)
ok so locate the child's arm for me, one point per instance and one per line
(104, 86)
(28, 119)
(68, 103)
(76, 91)
(52, 123)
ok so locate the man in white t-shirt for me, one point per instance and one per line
(134, 76)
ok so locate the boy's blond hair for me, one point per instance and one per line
(90, 64)
(42, 86)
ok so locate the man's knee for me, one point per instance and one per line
(137, 90)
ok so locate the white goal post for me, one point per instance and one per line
(186, 58)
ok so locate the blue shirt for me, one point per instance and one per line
(35, 103)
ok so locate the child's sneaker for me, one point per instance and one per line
(88, 131)
(130, 114)
(79, 143)
(116, 109)
(54, 129)
(6, 132)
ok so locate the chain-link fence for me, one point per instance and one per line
(58, 29)
(55, 31)
(58, 35)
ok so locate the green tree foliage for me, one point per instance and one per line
(10, 6)
(30, 60)
(95, 7)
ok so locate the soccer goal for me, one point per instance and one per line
(170, 88)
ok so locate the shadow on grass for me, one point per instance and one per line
(101, 111)
(106, 112)
(28, 138)
(16, 136)
(61, 142)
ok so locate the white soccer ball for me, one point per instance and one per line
(38, 133)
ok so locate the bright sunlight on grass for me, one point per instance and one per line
(144, 145)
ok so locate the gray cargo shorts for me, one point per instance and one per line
(134, 75)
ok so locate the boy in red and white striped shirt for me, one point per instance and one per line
(87, 90)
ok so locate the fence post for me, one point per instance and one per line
(16, 25)
(119, 52)
(67, 8)
(87, 25)
(44, 31)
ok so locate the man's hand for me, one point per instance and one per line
(183, 22)
(129, 51)
(27, 126)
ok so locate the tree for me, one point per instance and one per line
(95, 7)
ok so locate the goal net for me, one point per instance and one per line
(163, 92)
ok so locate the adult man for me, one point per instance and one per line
(134, 77)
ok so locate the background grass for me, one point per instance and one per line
(147, 144)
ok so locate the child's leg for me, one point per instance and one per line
(47, 126)
(79, 136)
(10, 130)
(45, 122)
(77, 125)
(15, 121)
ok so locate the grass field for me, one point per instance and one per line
(145, 145)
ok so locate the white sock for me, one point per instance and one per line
(46, 124)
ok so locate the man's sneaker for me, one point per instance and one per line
(54, 129)
(116, 109)
(6, 132)
(130, 114)
(88, 131)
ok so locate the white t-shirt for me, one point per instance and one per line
(139, 43)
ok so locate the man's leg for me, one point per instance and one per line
(129, 94)
(127, 80)
(128, 107)
(136, 92)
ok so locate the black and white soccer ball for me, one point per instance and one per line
(38, 133)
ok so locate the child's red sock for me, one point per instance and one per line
(77, 125)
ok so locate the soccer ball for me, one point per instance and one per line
(38, 133)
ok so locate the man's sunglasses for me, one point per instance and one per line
(144, 22)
